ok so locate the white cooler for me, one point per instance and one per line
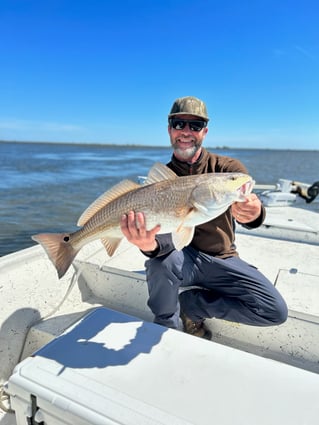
(111, 368)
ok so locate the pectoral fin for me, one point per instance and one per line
(201, 208)
(182, 237)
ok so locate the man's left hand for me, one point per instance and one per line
(247, 211)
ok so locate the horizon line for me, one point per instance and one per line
(134, 145)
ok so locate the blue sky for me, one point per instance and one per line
(108, 71)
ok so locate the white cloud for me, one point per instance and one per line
(305, 52)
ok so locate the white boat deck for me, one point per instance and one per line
(30, 291)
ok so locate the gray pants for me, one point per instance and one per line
(228, 289)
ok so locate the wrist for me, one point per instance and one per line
(150, 249)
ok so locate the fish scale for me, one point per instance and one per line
(178, 204)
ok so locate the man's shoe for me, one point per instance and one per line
(195, 328)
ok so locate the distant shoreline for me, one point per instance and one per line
(137, 146)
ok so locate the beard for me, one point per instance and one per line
(185, 154)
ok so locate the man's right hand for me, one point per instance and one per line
(133, 227)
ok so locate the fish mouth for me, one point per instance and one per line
(245, 189)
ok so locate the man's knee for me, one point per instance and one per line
(281, 312)
(277, 313)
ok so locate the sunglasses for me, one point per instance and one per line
(194, 125)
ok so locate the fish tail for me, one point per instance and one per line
(59, 250)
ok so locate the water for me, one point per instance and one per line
(45, 187)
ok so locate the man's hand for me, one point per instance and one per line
(247, 211)
(134, 229)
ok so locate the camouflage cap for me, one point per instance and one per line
(189, 105)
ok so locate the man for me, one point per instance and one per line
(226, 286)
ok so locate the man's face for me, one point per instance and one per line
(186, 142)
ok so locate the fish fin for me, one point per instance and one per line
(111, 244)
(183, 237)
(59, 250)
(158, 173)
(201, 208)
(115, 192)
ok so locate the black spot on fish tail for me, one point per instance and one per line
(59, 250)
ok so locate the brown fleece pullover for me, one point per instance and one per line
(216, 237)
